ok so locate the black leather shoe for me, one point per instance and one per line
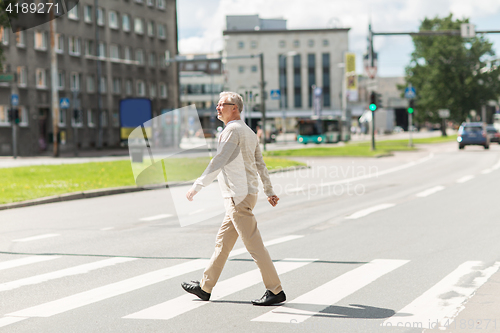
(269, 298)
(194, 288)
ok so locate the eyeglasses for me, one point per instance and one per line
(221, 105)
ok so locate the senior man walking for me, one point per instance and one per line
(237, 164)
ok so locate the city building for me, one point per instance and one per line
(295, 61)
(135, 38)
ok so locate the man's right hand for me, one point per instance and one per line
(273, 200)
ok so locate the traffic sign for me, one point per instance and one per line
(410, 92)
(276, 94)
(318, 91)
(64, 103)
(14, 100)
(444, 113)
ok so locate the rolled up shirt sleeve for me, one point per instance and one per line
(263, 173)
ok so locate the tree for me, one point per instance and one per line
(451, 72)
(4, 22)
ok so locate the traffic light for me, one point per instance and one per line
(378, 100)
(373, 101)
(10, 115)
(411, 106)
(16, 116)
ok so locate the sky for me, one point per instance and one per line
(201, 22)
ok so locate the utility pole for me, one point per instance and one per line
(54, 79)
(13, 92)
(99, 97)
(263, 97)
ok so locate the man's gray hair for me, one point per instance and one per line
(233, 97)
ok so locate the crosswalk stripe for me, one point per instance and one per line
(185, 303)
(29, 239)
(268, 243)
(440, 304)
(465, 179)
(156, 217)
(6, 321)
(81, 269)
(25, 261)
(370, 210)
(330, 292)
(430, 191)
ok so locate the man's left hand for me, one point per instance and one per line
(190, 194)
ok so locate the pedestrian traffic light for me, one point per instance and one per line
(411, 106)
(373, 101)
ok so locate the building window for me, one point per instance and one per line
(89, 47)
(60, 80)
(163, 90)
(127, 55)
(87, 13)
(125, 22)
(152, 90)
(114, 51)
(4, 118)
(104, 118)
(326, 79)
(138, 26)
(103, 85)
(241, 44)
(78, 121)
(100, 16)
(282, 43)
(161, 4)
(90, 84)
(91, 118)
(41, 78)
(325, 42)
(73, 12)
(62, 117)
(253, 44)
(254, 68)
(140, 87)
(151, 29)
(297, 82)
(152, 59)
(116, 119)
(128, 87)
(139, 1)
(23, 115)
(113, 19)
(22, 76)
(161, 31)
(283, 84)
(117, 85)
(241, 69)
(151, 3)
(4, 34)
(101, 50)
(21, 38)
(40, 40)
(59, 43)
(296, 43)
(311, 76)
(75, 82)
(139, 56)
(310, 43)
(74, 46)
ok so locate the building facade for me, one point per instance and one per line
(294, 62)
(135, 38)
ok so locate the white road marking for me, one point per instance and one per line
(6, 321)
(25, 261)
(185, 303)
(487, 171)
(370, 210)
(496, 166)
(156, 217)
(268, 243)
(446, 299)
(311, 303)
(465, 179)
(430, 191)
(106, 229)
(370, 175)
(29, 239)
(81, 269)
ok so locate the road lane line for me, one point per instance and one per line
(313, 302)
(430, 191)
(442, 302)
(465, 179)
(118, 288)
(81, 269)
(29, 239)
(380, 173)
(25, 261)
(370, 210)
(6, 321)
(185, 303)
(156, 217)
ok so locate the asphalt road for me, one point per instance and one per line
(363, 245)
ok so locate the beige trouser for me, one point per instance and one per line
(240, 221)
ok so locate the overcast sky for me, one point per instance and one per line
(201, 22)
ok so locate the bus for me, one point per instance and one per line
(318, 130)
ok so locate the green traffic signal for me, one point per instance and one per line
(410, 110)
(373, 107)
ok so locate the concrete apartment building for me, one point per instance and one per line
(294, 61)
(135, 38)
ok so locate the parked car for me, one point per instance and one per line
(493, 134)
(473, 134)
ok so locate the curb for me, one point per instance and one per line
(109, 191)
